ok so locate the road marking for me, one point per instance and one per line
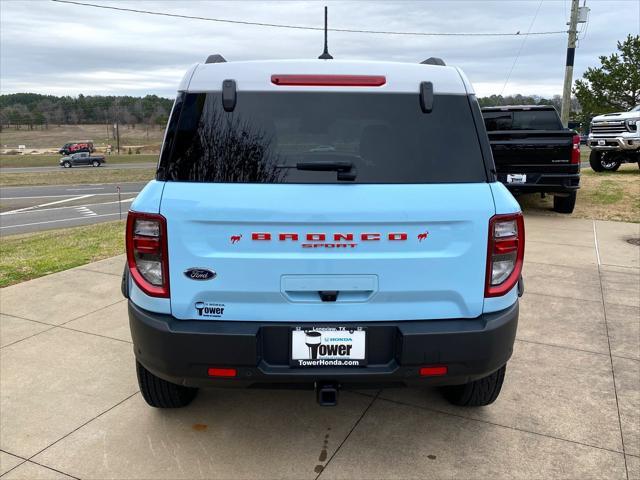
(62, 220)
(84, 189)
(86, 212)
(69, 195)
(125, 200)
(26, 209)
(77, 185)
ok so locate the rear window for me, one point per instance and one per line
(522, 120)
(271, 136)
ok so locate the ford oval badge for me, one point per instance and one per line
(200, 274)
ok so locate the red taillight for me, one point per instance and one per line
(575, 150)
(505, 253)
(329, 80)
(433, 371)
(222, 372)
(146, 241)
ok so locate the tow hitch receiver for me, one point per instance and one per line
(327, 394)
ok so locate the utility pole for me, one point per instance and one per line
(117, 127)
(568, 72)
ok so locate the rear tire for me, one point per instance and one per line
(96, 163)
(565, 204)
(478, 393)
(159, 393)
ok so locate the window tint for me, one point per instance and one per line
(522, 120)
(270, 136)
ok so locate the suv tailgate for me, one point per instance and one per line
(423, 255)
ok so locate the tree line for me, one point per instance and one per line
(499, 100)
(35, 111)
(32, 110)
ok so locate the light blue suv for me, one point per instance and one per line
(324, 223)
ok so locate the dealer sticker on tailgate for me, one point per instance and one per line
(328, 347)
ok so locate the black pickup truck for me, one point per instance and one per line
(533, 153)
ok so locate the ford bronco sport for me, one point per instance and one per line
(324, 224)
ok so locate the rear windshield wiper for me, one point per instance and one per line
(326, 165)
(345, 169)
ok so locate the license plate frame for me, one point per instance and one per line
(331, 347)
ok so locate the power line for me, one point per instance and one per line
(303, 27)
(524, 40)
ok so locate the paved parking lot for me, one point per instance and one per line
(570, 407)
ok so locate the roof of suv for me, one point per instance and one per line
(256, 76)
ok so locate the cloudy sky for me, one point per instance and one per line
(63, 49)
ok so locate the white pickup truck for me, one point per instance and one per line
(615, 139)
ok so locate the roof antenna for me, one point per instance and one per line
(325, 55)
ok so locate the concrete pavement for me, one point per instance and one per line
(570, 406)
(30, 209)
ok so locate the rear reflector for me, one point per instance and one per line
(433, 371)
(222, 372)
(329, 80)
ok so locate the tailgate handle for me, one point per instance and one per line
(328, 295)
(329, 288)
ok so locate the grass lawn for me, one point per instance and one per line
(602, 196)
(7, 161)
(78, 175)
(57, 135)
(27, 256)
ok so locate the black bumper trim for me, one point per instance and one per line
(543, 182)
(181, 351)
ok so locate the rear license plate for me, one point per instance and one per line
(328, 347)
(602, 143)
(516, 178)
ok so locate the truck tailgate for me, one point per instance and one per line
(532, 151)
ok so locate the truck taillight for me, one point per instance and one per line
(575, 150)
(505, 253)
(146, 240)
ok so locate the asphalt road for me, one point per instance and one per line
(32, 209)
(55, 168)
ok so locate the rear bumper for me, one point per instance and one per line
(544, 182)
(181, 351)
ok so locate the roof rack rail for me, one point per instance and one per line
(216, 58)
(433, 61)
